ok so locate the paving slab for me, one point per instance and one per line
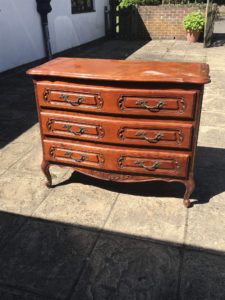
(10, 132)
(31, 135)
(150, 57)
(11, 129)
(175, 51)
(45, 258)
(150, 45)
(21, 192)
(31, 161)
(16, 294)
(173, 57)
(210, 158)
(112, 49)
(214, 102)
(80, 203)
(129, 269)
(2, 171)
(216, 74)
(206, 222)
(211, 136)
(12, 153)
(203, 276)
(162, 218)
(217, 66)
(11, 114)
(9, 225)
(212, 119)
(195, 58)
(216, 88)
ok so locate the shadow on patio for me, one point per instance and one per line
(50, 260)
(218, 40)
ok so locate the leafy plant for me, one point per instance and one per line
(194, 21)
(126, 3)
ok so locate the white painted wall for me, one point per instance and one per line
(21, 38)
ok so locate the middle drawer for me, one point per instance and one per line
(115, 130)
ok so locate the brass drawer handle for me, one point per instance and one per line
(70, 155)
(156, 139)
(155, 108)
(79, 100)
(79, 132)
(154, 166)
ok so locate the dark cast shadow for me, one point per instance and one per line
(218, 40)
(48, 260)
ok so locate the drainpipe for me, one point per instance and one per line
(43, 8)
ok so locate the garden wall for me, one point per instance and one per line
(164, 21)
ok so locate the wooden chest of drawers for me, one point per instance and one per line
(125, 121)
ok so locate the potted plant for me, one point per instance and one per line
(194, 24)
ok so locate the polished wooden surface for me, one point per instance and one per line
(124, 70)
(122, 131)
(120, 159)
(132, 121)
(171, 102)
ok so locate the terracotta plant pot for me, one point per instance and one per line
(192, 35)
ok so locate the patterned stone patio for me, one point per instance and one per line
(88, 239)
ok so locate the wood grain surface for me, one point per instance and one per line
(124, 70)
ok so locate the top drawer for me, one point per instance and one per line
(122, 101)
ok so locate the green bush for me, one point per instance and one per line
(194, 21)
(126, 3)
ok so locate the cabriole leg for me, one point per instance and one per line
(45, 168)
(190, 186)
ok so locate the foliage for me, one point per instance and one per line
(194, 21)
(126, 3)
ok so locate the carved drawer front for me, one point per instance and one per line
(118, 159)
(179, 105)
(73, 154)
(120, 131)
(155, 134)
(61, 97)
(71, 126)
(155, 163)
(174, 103)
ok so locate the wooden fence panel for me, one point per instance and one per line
(121, 21)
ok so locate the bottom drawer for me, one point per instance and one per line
(119, 159)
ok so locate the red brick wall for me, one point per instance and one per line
(164, 21)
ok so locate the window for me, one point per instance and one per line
(81, 6)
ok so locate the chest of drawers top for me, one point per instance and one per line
(124, 70)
